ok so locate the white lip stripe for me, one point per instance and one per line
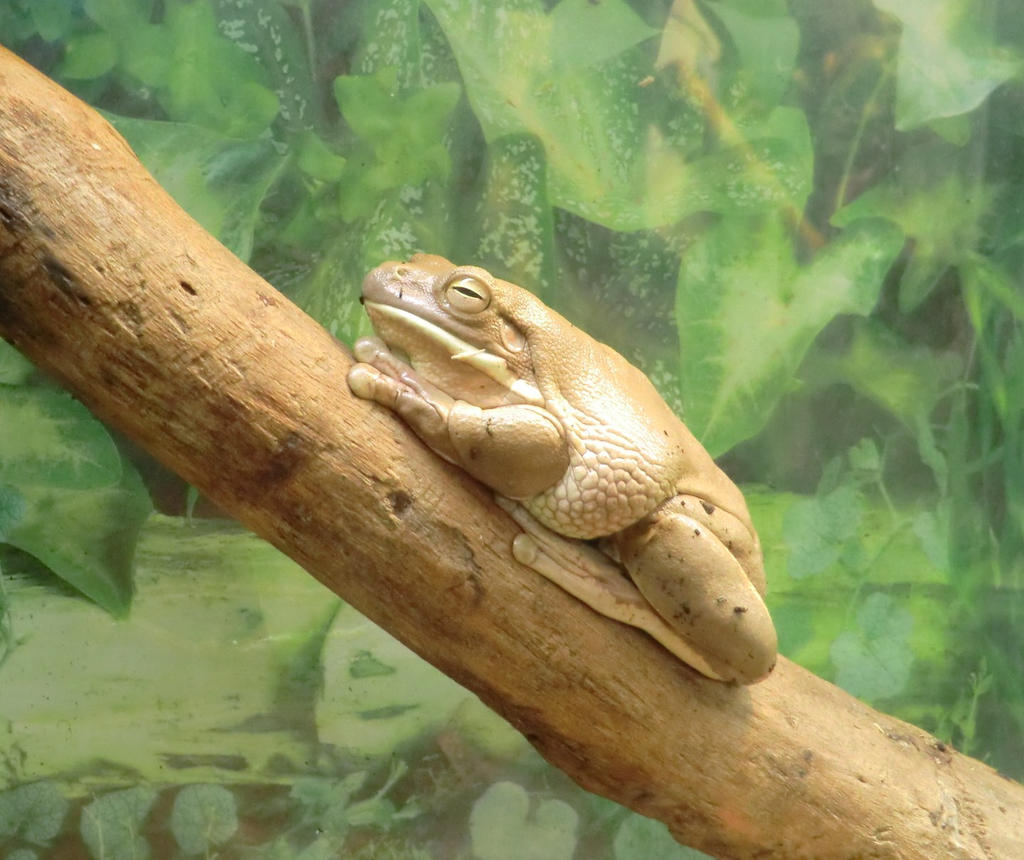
(479, 358)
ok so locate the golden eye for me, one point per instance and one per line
(468, 295)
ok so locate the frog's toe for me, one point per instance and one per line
(363, 381)
(367, 349)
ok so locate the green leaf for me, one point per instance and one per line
(515, 224)
(376, 812)
(502, 826)
(767, 46)
(52, 18)
(203, 817)
(88, 56)
(585, 33)
(15, 369)
(906, 378)
(943, 216)
(250, 107)
(873, 662)
(818, 529)
(86, 537)
(145, 56)
(326, 803)
(402, 137)
(755, 8)
(319, 794)
(196, 74)
(112, 824)
(953, 129)
(317, 159)
(933, 530)
(747, 312)
(12, 508)
(640, 838)
(610, 157)
(116, 16)
(220, 181)
(770, 172)
(264, 30)
(49, 439)
(948, 60)
(34, 812)
(391, 40)
(865, 459)
(16, 24)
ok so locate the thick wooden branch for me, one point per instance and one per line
(108, 285)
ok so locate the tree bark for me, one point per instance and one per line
(107, 284)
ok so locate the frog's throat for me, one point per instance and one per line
(478, 358)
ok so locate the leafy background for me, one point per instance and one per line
(803, 220)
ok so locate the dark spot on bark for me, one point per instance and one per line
(12, 206)
(942, 753)
(268, 300)
(709, 508)
(181, 323)
(739, 610)
(696, 532)
(9, 216)
(290, 453)
(399, 501)
(686, 608)
(132, 313)
(188, 288)
(64, 280)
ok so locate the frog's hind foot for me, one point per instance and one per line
(590, 576)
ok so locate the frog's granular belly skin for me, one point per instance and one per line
(607, 486)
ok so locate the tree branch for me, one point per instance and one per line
(109, 286)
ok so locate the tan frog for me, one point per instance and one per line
(513, 393)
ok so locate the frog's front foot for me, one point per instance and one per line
(379, 375)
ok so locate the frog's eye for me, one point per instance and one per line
(468, 294)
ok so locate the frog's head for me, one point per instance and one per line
(465, 330)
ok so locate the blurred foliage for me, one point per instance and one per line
(803, 219)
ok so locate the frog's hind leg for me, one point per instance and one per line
(692, 579)
(592, 577)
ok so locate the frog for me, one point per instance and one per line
(617, 502)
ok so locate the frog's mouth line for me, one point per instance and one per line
(489, 364)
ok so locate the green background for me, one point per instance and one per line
(803, 220)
